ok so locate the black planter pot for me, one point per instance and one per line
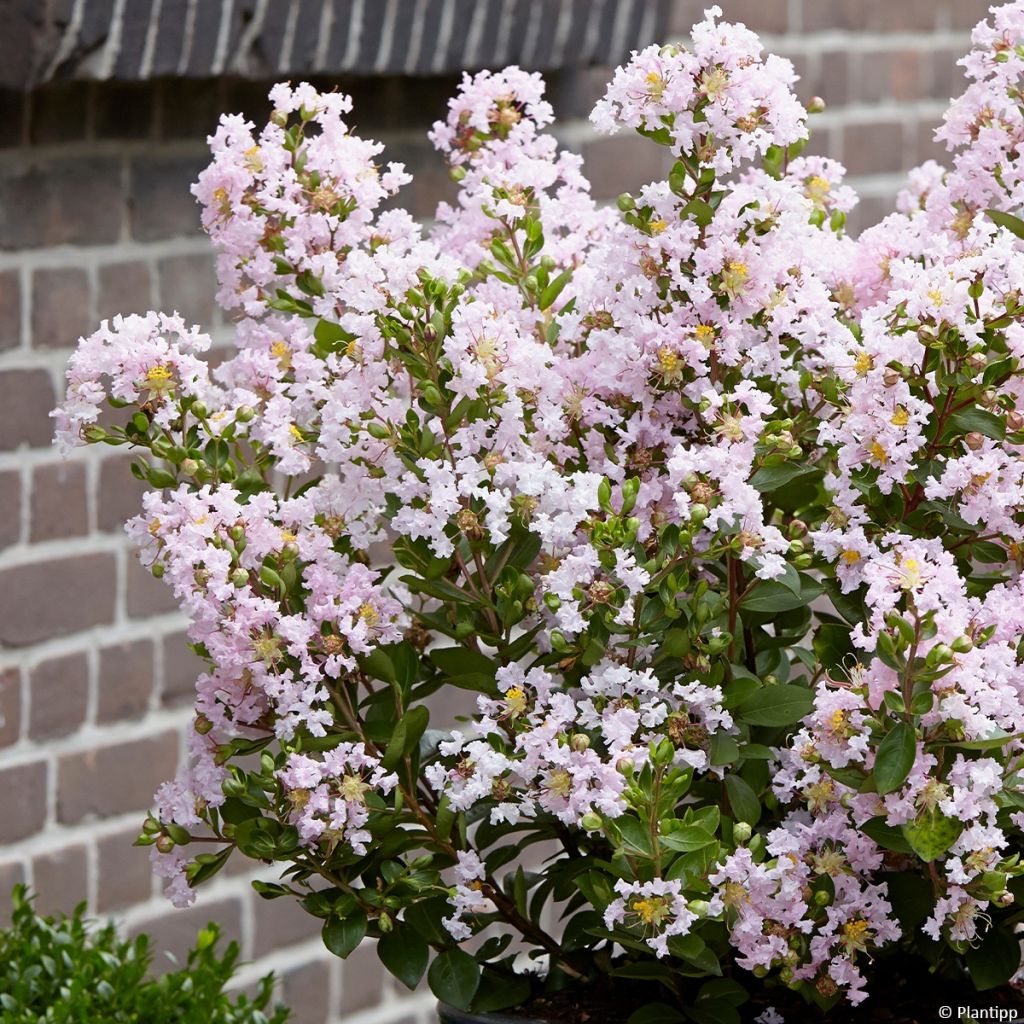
(449, 1015)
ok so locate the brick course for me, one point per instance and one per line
(96, 218)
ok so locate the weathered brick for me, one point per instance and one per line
(58, 696)
(623, 164)
(13, 117)
(189, 109)
(123, 288)
(872, 15)
(12, 873)
(891, 75)
(946, 77)
(73, 201)
(10, 507)
(926, 146)
(10, 707)
(873, 148)
(60, 503)
(119, 495)
(281, 922)
(123, 110)
(362, 980)
(161, 204)
(174, 933)
(967, 13)
(306, 990)
(187, 286)
(48, 599)
(114, 779)
(181, 668)
(60, 307)
(60, 878)
(123, 872)
(25, 410)
(10, 310)
(59, 114)
(145, 595)
(22, 800)
(125, 681)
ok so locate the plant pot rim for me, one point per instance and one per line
(450, 1015)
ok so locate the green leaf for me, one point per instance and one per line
(341, 935)
(887, 836)
(777, 705)
(687, 839)
(404, 952)
(771, 478)
(994, 962)
(454, 977)
(931, 835)
(743, 800)
(1008, 221)
(500, 991)
(554, 289)
(655, 1013)
(979, 421)
(895, 758)
(406, 736)
(769, 596)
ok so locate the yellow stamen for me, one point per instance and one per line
(900, 417)
(850, 557)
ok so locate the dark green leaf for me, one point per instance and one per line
(342, 935)
(404, 952)
(895, 758)
(777, 705)
(454, 977)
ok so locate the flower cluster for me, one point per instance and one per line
(712, 514)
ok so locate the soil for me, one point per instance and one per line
(901, 993)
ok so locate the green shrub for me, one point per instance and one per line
(70, 970)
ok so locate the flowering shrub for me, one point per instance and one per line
(717, 511)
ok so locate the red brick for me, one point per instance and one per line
(123, 288)
(161, 204)
(306, 990)
(362, 980)
(58, 696)
(967, 13)
(872, 15)
(763, 16)
(624, 164)
(927, 147)
(60, 503)
(174, 932)
(279, 923)
(946, 77)
(890, 75)
(59, 113)
(124, 874)
(123, 110)
(10, 706)
(181, 669)
(12, 873)
(55, 598)
(114, 779)
(60, 879)
(10, 310)
(125, 682)
(872, 148)
(25, 410)
(60, 307)
(22, 801)
(187, 286)
(145, 594)
(119, 495)
(10, 507)
(71, 201)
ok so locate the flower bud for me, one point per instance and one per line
(202, 724)
(815, 105)
(189, 467)
(822, 898)
(974, 441)
(164, 843)
(579, 742)
(93, 433)
(157, 569)
(199, 410)
(741, 832)
(245, 414)
(1014, 421)
(962, 644)
(239, 577)
(891, 378)
(698, 513)
(591, 822)
(625, 766)
(698, 907)
(626, 202)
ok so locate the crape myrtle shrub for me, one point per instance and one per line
(717, 511)
(70, 970)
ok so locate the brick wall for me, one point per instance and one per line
(95, 218)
